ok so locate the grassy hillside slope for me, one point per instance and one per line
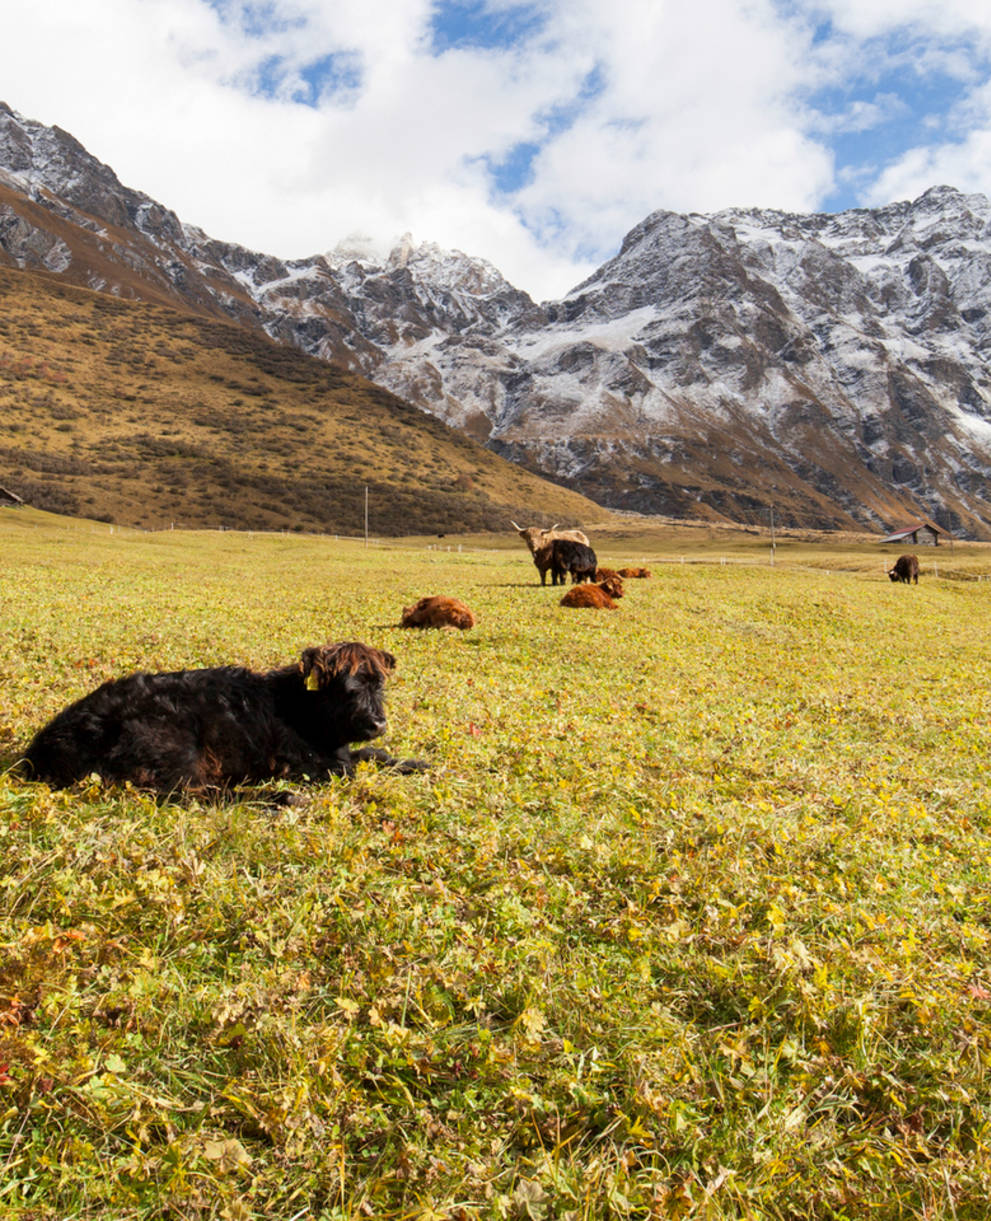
(137, 414)
(689, 917)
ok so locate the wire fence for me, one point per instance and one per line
(945, 568)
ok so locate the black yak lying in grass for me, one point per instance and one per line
(208, 730)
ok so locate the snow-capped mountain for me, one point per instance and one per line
(833, 366)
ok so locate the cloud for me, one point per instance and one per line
(861, 115)
(534, 134)
(696, 112)
(939, 52)
(962, 161)
(935, 18)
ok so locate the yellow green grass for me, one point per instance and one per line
(689, 918)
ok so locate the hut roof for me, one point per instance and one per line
(905, 532)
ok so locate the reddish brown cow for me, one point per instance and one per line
(599, 597)
(634, 572)
(438, 611)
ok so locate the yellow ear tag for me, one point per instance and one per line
(312, 682)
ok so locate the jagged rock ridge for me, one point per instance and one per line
(833, 366)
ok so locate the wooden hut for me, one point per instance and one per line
(919, 532)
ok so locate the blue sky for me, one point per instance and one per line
(909, 91)
(533, 134)
(475, 24)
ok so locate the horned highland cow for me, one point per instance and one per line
(209, 730)
(539, 541)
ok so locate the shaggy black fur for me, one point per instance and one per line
(576, 558)
(206, 730)
(906, 569)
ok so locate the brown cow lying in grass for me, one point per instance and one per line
(599, 596)
(207, 731)
(635, 572)
(438, 611)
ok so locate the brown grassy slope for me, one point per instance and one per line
(138, 414)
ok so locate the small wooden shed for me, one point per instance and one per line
(924, 532)
(7, 497)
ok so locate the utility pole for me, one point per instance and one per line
(366, 514)
(772, 535)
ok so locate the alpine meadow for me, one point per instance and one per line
(687, 918)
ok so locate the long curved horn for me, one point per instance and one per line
(515, 526)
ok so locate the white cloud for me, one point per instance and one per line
(964, 163)
(944, 18)
(696, 113)
(860, 115)
(648, 104)
(951, 38)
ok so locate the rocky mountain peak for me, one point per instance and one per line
(429, 265)
(51, 166)
(835, 364)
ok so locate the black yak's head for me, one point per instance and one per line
(347, 682)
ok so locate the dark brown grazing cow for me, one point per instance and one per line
(438, 611)
(906, 569)
(598, 597)
(208, 730)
